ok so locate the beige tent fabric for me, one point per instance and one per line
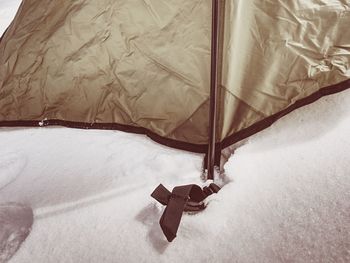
(135, 62)
(278, 52)
(146, 63)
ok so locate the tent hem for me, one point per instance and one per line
(196, 148)
(191, 147)
(267, 122)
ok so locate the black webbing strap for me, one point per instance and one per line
(182, 198)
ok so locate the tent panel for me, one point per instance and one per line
(133, 62)
(276, 53)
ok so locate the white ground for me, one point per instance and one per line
(289, 199)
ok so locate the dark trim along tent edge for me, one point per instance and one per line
(196, 148)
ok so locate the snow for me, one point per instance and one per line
(11, 166)
(15, 221)
(288, 199)
(8, 9)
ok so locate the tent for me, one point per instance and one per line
(145, 66)
(195, 75)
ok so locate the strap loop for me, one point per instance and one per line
(182, 198)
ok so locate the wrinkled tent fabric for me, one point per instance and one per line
(144, 66)
(279, 52)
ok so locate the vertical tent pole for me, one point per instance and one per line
(214, 78)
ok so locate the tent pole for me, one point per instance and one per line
(214, 78)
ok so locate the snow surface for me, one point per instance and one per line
(288, 199)
(11, 166)
(8, 9)
(15, 224)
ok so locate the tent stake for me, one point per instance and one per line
(214, 77)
